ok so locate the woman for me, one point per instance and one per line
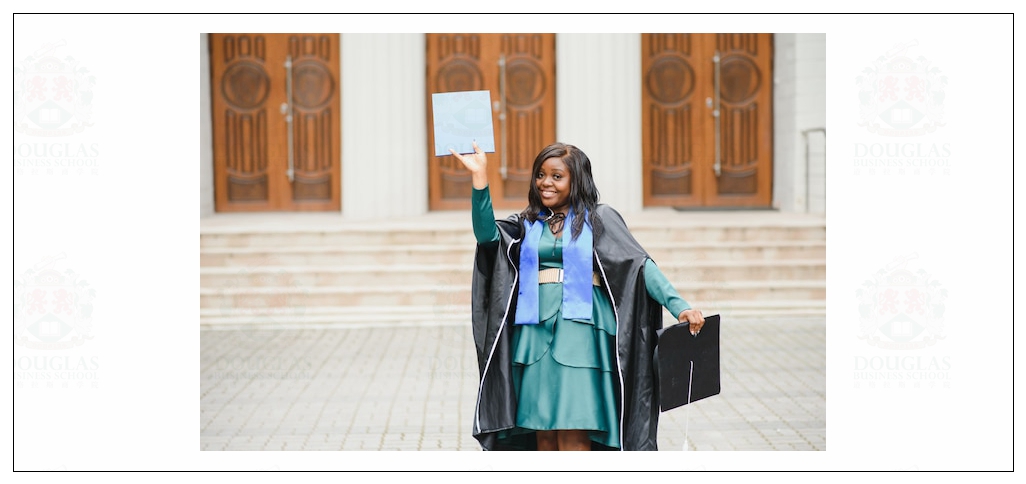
(565, 308)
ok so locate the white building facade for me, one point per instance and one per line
(383, 104)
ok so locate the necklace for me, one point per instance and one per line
(555, 222)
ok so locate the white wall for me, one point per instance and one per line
(206, 154)
(799, 104)
(598, 109)
(384, 109)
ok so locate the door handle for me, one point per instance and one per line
(286, 109)
(502, 115)
(715, 104)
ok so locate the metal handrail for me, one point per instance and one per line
(805, 136)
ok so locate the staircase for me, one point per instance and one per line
(297, 269)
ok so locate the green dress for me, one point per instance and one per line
(564, 370)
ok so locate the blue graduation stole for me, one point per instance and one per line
(577, 273)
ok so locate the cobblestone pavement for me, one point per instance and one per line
(414, 388)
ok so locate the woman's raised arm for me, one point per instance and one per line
(477, 163)
(481, 201)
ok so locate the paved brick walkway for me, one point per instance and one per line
(413, 388)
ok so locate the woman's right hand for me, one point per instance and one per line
(477, 163)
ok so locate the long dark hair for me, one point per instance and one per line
(583, 193)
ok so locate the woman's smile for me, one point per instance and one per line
(553, 183)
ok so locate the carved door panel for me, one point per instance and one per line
(275, 101)
(707, 119)
(519, 71)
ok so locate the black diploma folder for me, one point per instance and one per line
(687, 367)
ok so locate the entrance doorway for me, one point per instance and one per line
(707, 120)
(276, 122)
(519, 71)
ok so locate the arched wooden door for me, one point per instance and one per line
(263, 161)
(519, 71)
(707, 120)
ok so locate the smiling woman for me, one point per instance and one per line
(564, 325)
(553, 182)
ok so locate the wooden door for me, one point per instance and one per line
(680, 127)
(262, 161)
(519, 71)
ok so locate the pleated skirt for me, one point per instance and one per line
(564, 372)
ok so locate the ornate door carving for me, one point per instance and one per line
(520, 65)
(683, 75)
(250, 88)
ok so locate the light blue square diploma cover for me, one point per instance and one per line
(460, 118)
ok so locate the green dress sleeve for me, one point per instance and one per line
(483, 216)
(660, 289)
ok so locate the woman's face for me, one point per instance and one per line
(553, 183)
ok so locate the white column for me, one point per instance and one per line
(384, 123)
(785, 135)
(799, 104)
(810, 114)
(598, 109)
(205, 130)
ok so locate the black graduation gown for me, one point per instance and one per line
(620, 260)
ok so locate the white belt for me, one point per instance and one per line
(555, 276)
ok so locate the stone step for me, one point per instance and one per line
(649, 234)
(722, 271)
(321, 269)
(661, 252)
(295, 255)
(351, 316)
(295, 298)
(382, 236)
(336, 275)
(704, 271)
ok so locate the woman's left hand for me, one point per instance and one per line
(693, 318)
